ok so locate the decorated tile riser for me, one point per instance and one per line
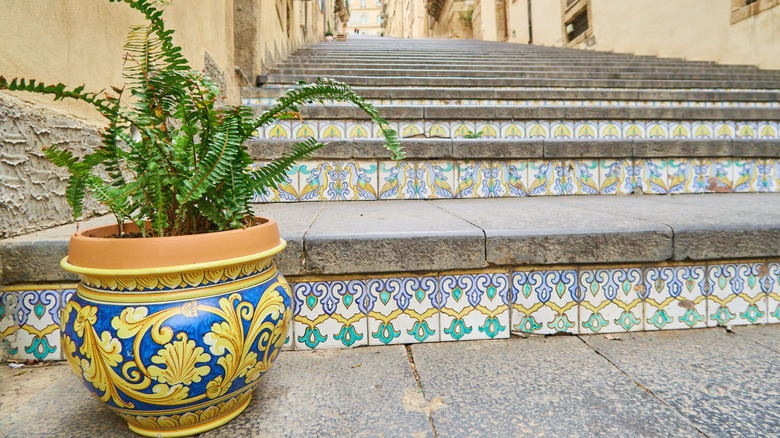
(529, 129)
(546, 103)
(753, 90)
(453, 306)
(444, 179)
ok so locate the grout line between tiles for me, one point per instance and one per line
(643, 387)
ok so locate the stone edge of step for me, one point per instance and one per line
(476, 149)
(320, 245)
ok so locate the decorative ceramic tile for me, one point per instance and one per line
(562, 129)
(512, 130)
(390, 175)
(717, 174)
(463, 129)
(488, 129)
(402, 310)
(771, 285)
(332, 129)
(357, 129)
(537, 129)
(476, 306)
(610, 129)
(735, 295)
(586, 130)
(482, 179)
(586, 176)
(746, 175)
(774, 167)
(680, 129)
(545, 301)
(330, 314)
(612, 300)
(615, 176)
(686, 175)
(38, 322)
(724, 129)
(516, 181)
(702, 130)
(287, 190)
(746, 129)
(652, 175)
(375, 131)
(675, 297)
(338, 181)
(280, 129)
(657, 129)
(9, 304)
(633, 129)
(416, 180)
(563, 177)
(304, 129)
(767, 180)
(411, 129)
(768, 130)
(541, 176)
(437, 129)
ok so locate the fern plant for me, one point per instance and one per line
(172, 158)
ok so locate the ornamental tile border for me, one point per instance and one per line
(527, 129)
(332, 312)
(550, 102)
(364, 180)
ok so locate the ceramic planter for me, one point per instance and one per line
(173, 333)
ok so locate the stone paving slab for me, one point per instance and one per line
(546, 387)
(723, 384)
(705, 382)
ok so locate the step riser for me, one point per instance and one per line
(514, 82)
(370, 180)
(520, 130)
(519, 74)
(542, 95)
(460, 306)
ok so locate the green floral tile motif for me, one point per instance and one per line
(612, 300)
(545, 301)
(675, 297)
(475, 306)
(735, 295)
(330, 314)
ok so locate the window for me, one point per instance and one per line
(363, 19)
(576, 21)
(362, 3)
(379, 19)
(742, 9)
(379, 3)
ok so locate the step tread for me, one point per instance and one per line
(426, 236)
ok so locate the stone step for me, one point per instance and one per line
(442, 235)
(526, 73)
(517, 112)
(517, 149)
(451, 93)
(522, 82)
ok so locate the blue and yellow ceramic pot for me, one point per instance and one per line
(173, 333)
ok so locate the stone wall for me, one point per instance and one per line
(32, 190)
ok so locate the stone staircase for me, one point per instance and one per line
(480, 232)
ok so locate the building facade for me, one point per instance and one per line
(724, 31)
(365, 17)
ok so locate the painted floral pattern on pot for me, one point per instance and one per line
(178, 364)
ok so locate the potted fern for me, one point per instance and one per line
(180, 309)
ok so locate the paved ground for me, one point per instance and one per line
(695, 383)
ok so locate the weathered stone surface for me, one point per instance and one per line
(755, 148)
(722, 383)
(465, 148)
(648, 148)
(32, 190)
(552, 387)
(391, 236)
(270, 149)
(545, 231)
(293, 221)
(360, 392)
(589, 149)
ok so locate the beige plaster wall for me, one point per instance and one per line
(81, 42)
(450, 25)
(406, 19)
(517, 21)
(546, 20)
(691, 29)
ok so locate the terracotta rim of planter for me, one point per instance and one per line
(90, 251)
